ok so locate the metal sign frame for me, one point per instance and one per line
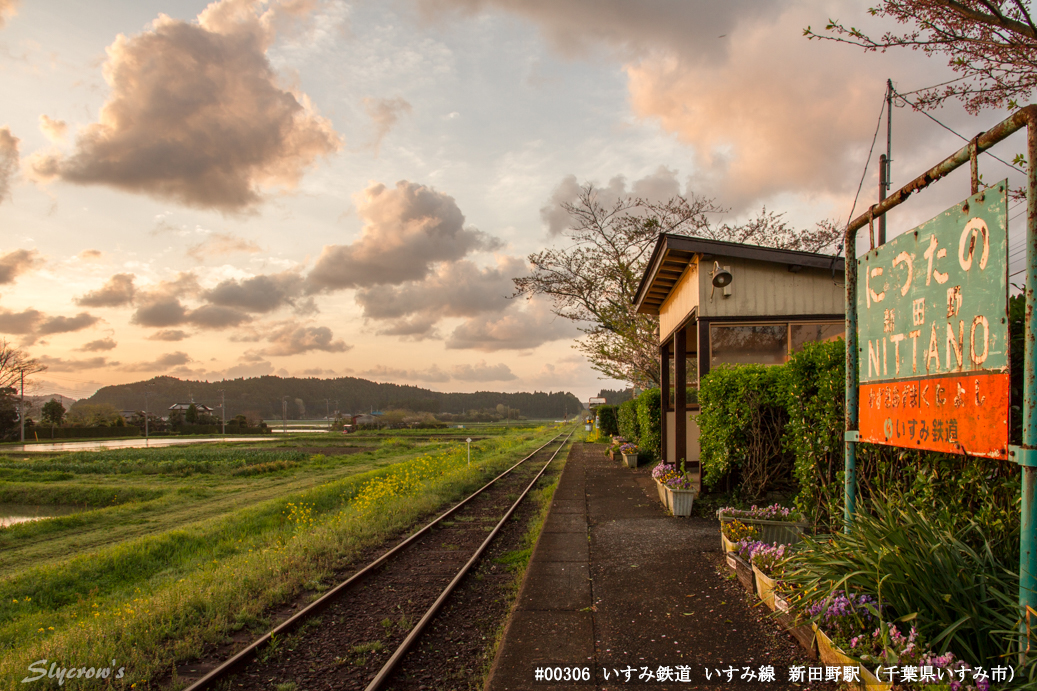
(1026, 454)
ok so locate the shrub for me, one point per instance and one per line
(627, 420)
(816, 406)
(649, 422)
(607, 421)
(742, 421)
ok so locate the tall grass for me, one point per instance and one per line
(152, 601)
(961, 598)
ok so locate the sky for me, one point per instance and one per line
(320, 188)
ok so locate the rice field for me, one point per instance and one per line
(178, 548)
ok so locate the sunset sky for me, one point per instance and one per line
(323, 188)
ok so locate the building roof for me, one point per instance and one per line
(673, 254)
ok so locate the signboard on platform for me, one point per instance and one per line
(933, 332)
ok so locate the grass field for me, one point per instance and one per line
(182, 546)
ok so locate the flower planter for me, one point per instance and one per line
(803, 634)
(726, 544)
(630, 459)
(764, 587)
(780, 603)
(743, 571)
(772, 532)
(831, 655)
(662, 493)
(680, 501)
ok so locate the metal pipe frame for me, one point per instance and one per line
(1027, 454)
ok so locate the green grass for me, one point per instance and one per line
(182, 550)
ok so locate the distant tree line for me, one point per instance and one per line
(312, 398)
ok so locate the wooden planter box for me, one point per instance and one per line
(726, 544)
(764, 587)
(743, 571)
(832, 655)
(803, 633)
(631, 459)
(772, 532)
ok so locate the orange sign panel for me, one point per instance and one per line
(953, 413)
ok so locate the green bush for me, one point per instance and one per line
(816, 405)
(627, 421)
(742, 422)
(649, 423)
(607, 421)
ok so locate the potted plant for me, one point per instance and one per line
(776, 524)
(741, 559)
(659, 472)
(734, 532)
(680, 492)
(630, 453)
(765, 562)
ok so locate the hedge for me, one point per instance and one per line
(649, 423)
(629, 428)
(742, 423)
(607, 421)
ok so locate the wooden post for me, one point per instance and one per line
(664, 395)
(680, 396)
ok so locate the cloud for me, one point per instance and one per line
(221, 244)
(117, 291)
(660, 186)
(460, 289)
(578, 27)
(216, 317)
(163, 362)
(23, 322)
(89, 255)
(99, 345)
(195, 114)
(479, 372)
(385, 112)
(482, 372)
(430, 374)
(293, 339)
(15, 263)
(160, 311)
(8, 152)
(60, 325)
(8, 8)
(168, 335)
(407, 229)
(318, 372)
(32, 323)
(56, 364)
(263, 293)
(250, 369)
(516, 330)
(54, 130)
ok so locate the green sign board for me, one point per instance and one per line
(933, 332)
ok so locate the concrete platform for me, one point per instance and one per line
(615, 582)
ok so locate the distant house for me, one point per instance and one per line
(366, 419)
(182, 408)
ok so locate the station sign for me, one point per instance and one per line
(933, 332)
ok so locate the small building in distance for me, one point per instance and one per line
(725, 302)
(183, 407)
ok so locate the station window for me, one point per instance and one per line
(766, 344)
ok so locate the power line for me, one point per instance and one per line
(936, 86)
(956, 134)
(864, 174)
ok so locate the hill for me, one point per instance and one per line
(312, 398)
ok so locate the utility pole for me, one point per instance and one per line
(21, 409)
(327, 411)
(223, 412)
(284, 414)
(886, 160)
(146, 414)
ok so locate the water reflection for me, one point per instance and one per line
(22, 513)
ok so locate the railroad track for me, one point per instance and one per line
(342, 640)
